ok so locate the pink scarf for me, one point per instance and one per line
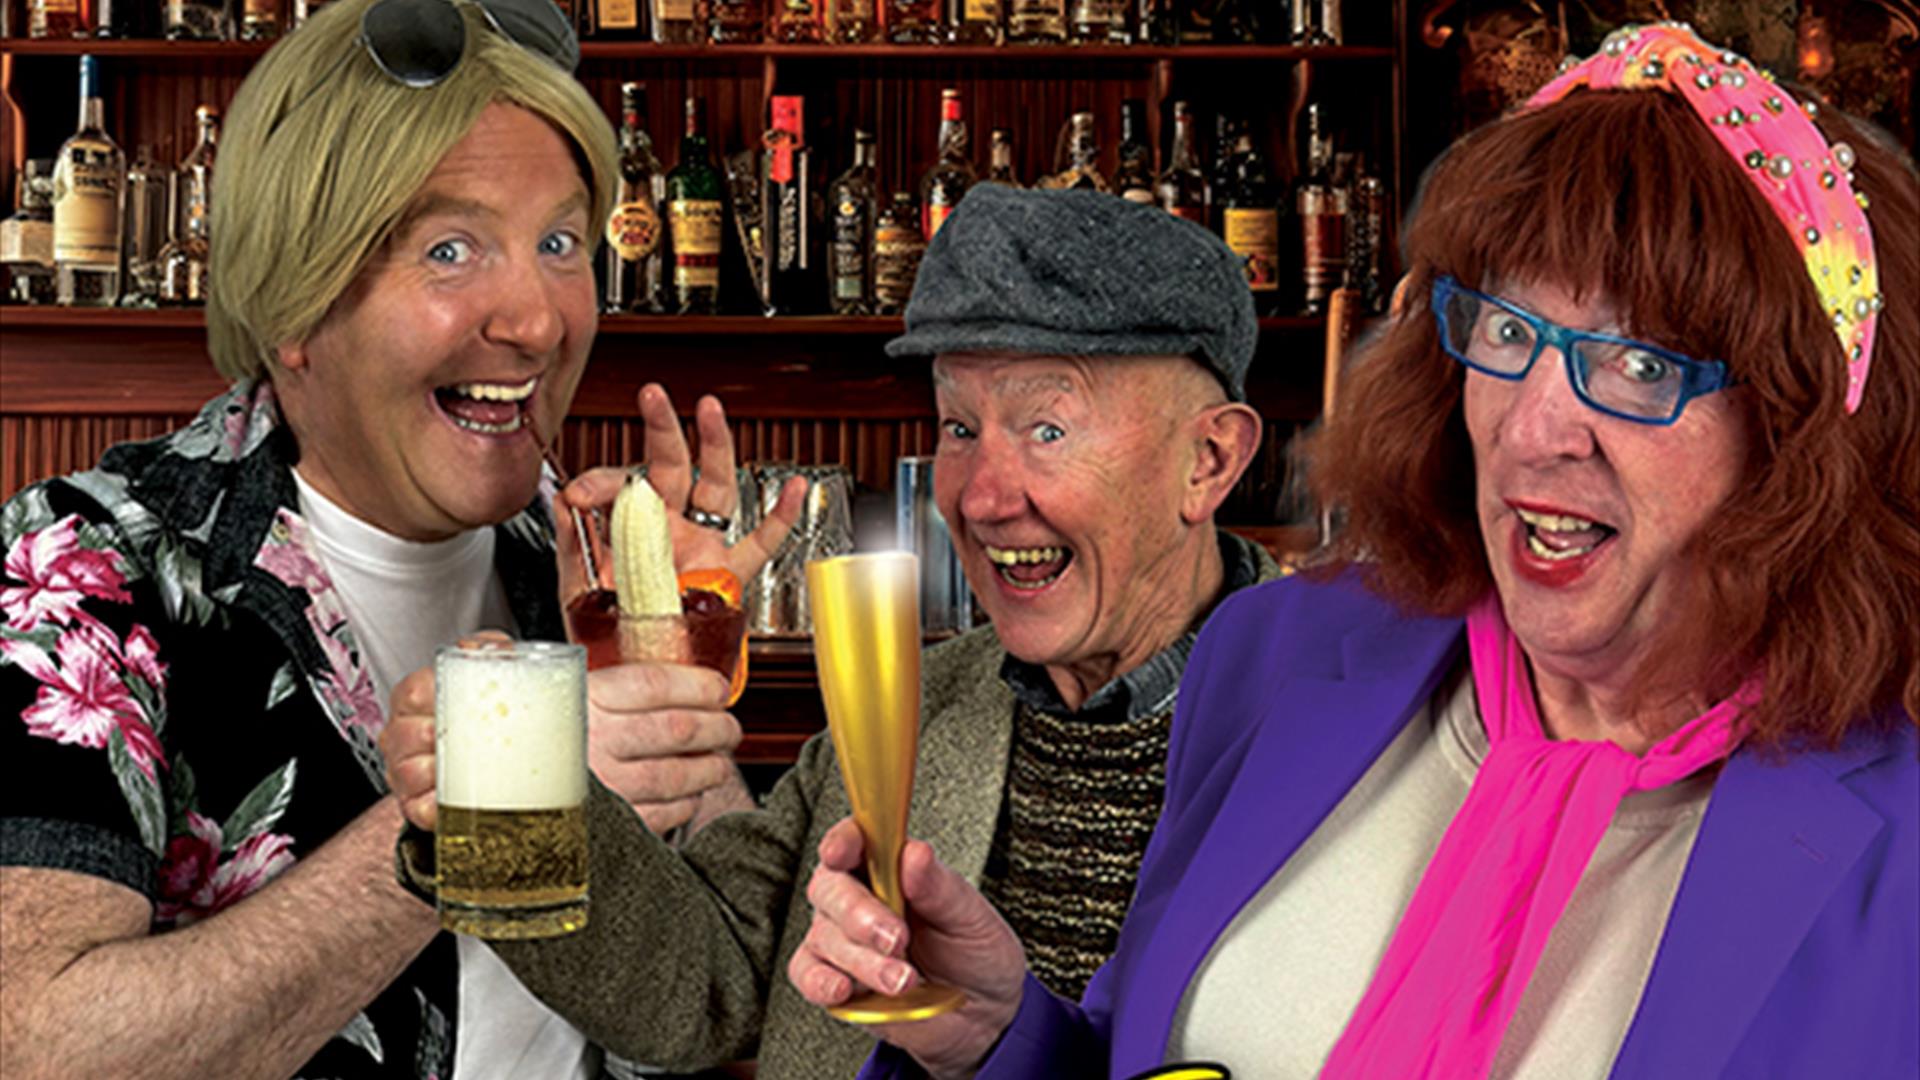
(1454, 972)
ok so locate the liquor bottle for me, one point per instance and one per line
(613, 19)
(975, 22)
(1000, 160)
(1102, 22)
(854, 200)
(26, 238)
(114, 18)
(635, 259)
(1133, 179)
(88, 176)
(304, 10)
(197, 20)
(1315, 22)
(735, 22)
(851, 22)
(786, 214)
(1183, 187)
(1250, 221)
(677, 22)
(1225, 167)
(260, 20)
(1366, 215)
(898, 245)
(1077, 166)
(1196, 21)
(1322, 208)
(184, 262)
(695, 219)
(795, 22)
(947, 181)
(1037, 22)
(1159, 21)
(56, 19)
(914, 22)
(149, 218)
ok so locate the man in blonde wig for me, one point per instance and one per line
(195, 836)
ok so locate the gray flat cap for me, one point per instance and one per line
(1079, 273)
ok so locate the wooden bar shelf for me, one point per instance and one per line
(591, 50)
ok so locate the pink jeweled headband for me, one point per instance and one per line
(1808, 183)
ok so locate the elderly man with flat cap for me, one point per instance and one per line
(1089, 363)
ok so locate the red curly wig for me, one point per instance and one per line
(1811, 571)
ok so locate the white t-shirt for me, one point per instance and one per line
(406, 599)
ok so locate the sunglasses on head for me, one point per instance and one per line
(419, 43)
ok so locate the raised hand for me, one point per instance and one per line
(951, 935)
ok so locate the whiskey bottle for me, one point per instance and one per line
(854, 201)
(1366, 215)
(260, 20)
(898, 245)
(197, 20)
(56, 19)
(914, 22)
(786, 214)
(947, 181)
(1225, 167)
(115, 18)
(1000, 159)
(1037, 22)
(88, 176)
(184, 263)
(1183, 187)
(677, 22)
(695, 219)
(850, 22)
(1077, 166)
(1102, 22)
(795, 22)
(149, 228)
(1314, 22)
(1250, 220)
(634, 257)
(735, 22)
(613, 19)
(975, 22)
(1321, 204)
(1159, 22)
(26, 238)
(1133, 179)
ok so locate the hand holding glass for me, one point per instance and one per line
(866, 645)
(510, 735)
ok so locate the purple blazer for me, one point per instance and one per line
(1793, 945)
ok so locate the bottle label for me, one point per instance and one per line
(1044, 18)
(896, 261)
(696, 242)
(261, 11)
(634, 230)
(619, 14)
(58, 7)
(1100, 13)
(1254, 235)
(86, 209)
(934, 216)
(849, 251)
(674, 10)
(981, 11)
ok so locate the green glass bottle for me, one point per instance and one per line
(696, 215)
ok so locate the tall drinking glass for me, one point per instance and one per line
(866, 644)
(510, 744)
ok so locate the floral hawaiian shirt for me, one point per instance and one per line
(193, 714)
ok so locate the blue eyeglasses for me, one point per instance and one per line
(1617, 376)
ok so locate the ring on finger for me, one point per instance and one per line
(708, 519)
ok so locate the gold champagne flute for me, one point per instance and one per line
(866, 644)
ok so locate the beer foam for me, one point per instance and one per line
(510, 734)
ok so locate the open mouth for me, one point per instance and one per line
(487, 408)
(1029, 568)
(1559, 537)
